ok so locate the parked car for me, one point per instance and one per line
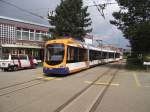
(15, 62)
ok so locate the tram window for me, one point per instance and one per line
(72, 54)
(99, 53)
(104, 56)
(75, 54)
(54, 54)
(82, 55)
(90, 55)
(94, 55)
(111, 55)
(117, 55)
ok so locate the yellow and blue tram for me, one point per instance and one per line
(65, 56)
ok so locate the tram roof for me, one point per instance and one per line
(72, 42)
(100, 49)
(68, 41)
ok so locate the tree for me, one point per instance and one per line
(70, 19)
(133, 20)
(46, 37)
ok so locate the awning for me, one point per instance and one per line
(20, 46)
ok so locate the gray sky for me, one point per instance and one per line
(102, 29)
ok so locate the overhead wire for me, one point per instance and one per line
(24, 10)
(101, 7)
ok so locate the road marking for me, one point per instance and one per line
(101, 83)
(46, 78)
(147, 86)
(41, 76)
(136, 79)
(58, 79)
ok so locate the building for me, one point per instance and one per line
(22, 37)
(88, 39)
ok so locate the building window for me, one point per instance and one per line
(41, 37)
(31, 35)
(25, 35)
(7, 34)
(38, 36)
(18, 34)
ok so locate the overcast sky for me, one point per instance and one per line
(102, 29)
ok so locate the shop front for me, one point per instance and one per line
(35, 51)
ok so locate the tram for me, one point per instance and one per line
(65, 56)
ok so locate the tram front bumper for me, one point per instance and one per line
(56, 71)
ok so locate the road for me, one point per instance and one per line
(105, 88)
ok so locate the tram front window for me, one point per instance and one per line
(54, 54)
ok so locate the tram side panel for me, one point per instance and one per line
(76, 59)
(111, 57)
(94, 57)
(118, 56)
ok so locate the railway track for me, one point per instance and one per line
(34, 82)
(17, 84)
(94, 105)
(20, 86)
(101, 95)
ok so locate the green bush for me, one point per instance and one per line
(147, 58)
(134, 63)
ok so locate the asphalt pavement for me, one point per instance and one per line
(105, 88)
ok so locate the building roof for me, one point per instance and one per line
(24, 24)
